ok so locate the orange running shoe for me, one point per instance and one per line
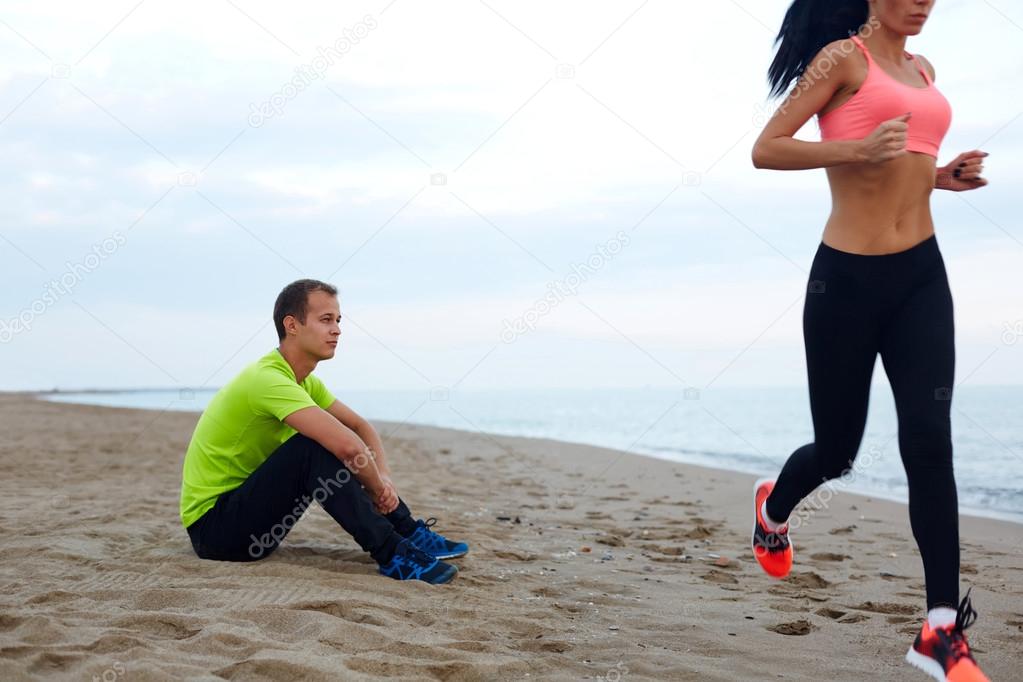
(773, 549)
(943, 653)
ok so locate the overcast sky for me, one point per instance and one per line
(447, 166)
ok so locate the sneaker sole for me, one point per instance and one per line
(445, 577)
(453, 555)
(753, 533)
(926, 664)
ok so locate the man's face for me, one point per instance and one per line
(321, 332)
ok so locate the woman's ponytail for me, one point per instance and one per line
(808, 26)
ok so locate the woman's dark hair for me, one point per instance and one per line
(294, 300)
(808, 26)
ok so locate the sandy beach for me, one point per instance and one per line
(585, 564)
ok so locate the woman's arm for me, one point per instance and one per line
(830, 71)
(963, 173)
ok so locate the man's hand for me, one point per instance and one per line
(387, 500)
(963, 173)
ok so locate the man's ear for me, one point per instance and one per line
(289, 324)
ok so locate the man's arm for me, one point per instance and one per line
(342, 442)
(365, 431)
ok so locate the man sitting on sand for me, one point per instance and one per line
(274, 439)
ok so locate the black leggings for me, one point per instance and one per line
(249, 522)
(898, 305)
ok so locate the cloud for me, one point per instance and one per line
(444, 171)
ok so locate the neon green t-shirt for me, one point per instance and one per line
(241, 427)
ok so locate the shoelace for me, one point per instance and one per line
(966, 615)
(435, 540)
(415, 560)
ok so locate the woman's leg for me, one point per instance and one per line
(918, 352)
(841, 336)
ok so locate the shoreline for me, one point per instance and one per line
(996, 515)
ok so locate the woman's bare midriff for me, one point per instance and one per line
(881, 208)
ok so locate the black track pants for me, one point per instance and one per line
(898, 305)
(249, 522)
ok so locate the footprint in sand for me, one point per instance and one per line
(9, 622)
(845, 530)
(720, 577)
(854, 618)
(541, 646)
(790, 591)
(833, 614)
(796, 627)
(667, 550)
(366, 613)
(886, 608)
(518, 555)
(611, 540)
(829, 556)
(789, 607)
(893, 577)
(469, 646)
(161, 626)
(808, 579)
(698, 533)
(49, 663)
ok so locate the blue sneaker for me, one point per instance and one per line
(411, 563)
(435, 544)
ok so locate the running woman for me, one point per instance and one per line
(877, 283)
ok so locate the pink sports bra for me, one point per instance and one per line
(881, 98)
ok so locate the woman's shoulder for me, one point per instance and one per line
(840, 61)
(927, 64)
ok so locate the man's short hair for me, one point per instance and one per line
(294, 300)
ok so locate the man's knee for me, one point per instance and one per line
(324, 474)
(335, 479)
